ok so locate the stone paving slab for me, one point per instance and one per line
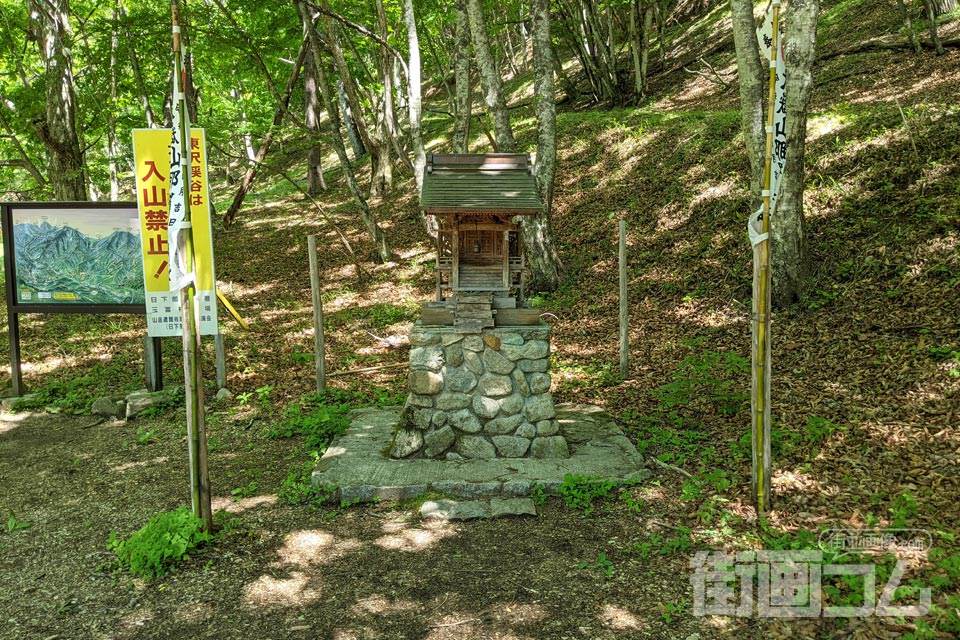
(358, 466)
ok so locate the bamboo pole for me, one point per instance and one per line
(192, 376)
(624, 329)
(760, 393)
(319, 352)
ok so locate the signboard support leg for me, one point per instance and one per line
(153, 363)
(221, 355)
(13, 323)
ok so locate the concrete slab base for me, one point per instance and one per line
(357, 466)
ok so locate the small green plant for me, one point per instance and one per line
(634, 505)
(144, 436)
(14, 525)
(710, 377)
(671, 609)
(904, 508)
(244, 398)
(538, 494)
(603, 564)
(301, 357)
(683, 541)
(167, 539)
(579, 492)
(240, 493)
(263, 394)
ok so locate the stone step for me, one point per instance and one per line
(475, 315)
(470, 325)
(476, 299)
(473, 307)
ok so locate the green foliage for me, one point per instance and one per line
(301, 357)
(13, 525)
(161, 544)
(709, 377)
(579, 492)
(239, 493)
(538, 495)
(904, 508)
(603, 564)
(63, 396)
(319, 423)
(671, 609)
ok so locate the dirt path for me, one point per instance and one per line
(367, 572)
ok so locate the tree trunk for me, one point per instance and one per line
(311, 119)
(113, 148)
(752, 88)
(353, 134)
(941, 7)
(251, 172)
(25, 162)
(537, 235)
(333, 45)
(463, 113)
(381, 176)
(138, 74)
(376, 233)
(58, 132)
(490, 78)
(789, 258)
(638, 79)
(415, 103)
(932, 22)
(908, 24)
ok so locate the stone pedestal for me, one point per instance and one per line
(479, 396)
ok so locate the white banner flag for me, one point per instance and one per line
(779, 153)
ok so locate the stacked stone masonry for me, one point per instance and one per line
(479, 396)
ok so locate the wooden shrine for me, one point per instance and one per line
(480, 268)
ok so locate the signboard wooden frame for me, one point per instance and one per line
(16, 306)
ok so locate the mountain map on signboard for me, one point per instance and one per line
(58, 264)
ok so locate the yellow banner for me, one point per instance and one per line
(151, 151)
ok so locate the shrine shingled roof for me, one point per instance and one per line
(491, 182)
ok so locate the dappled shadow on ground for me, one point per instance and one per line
(367, 572)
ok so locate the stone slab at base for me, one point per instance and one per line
(357, 466)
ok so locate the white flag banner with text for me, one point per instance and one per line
(779, 155)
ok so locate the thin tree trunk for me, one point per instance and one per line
(464, 111)
(414, 99)
(537, 235)
(113, 149)
(353, 134)
(376, 233)
(25, 162)
(249, 148)
(645, 44)
(443, 70)
(941, 7)
(752, 87)
(490, 78)
(638, 87)
(333, 45)
(311, 119)
(137, 73)
(908, 24)
(932, 22)
(251, 173)
(790, 263)
(381, 177)
(58, 131)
